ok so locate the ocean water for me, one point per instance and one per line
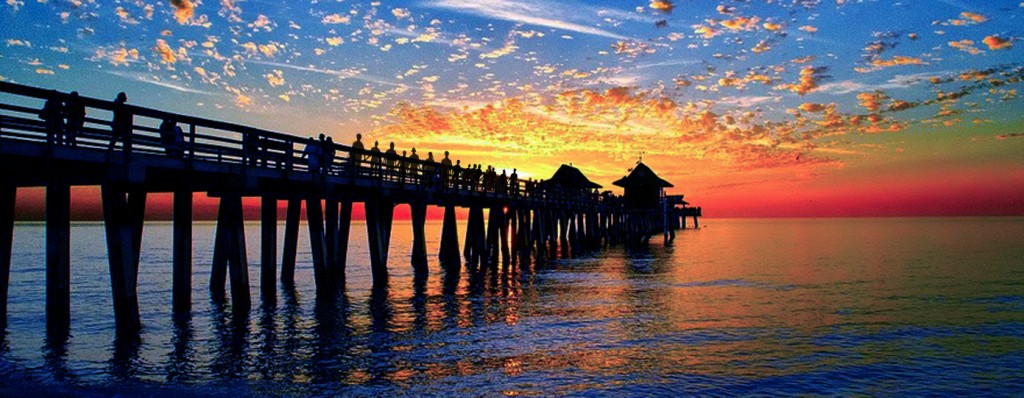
(902, 306)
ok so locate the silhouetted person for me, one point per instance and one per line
(121, 124)
(375, 162)
(329, 153)
(413, 165)
(391, 157)
(74, 111)
(312, 153)
(513, 182)
(456, 173)
(446, 170)
(179, 141)
(502, 183)
(356, 155)
(53, 114)
(169, 138)
(402, 168)
(429, 170)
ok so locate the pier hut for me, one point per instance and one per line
(644, 197)
(577, 227)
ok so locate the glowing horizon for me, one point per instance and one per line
(801, 108)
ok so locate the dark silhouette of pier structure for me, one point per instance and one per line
(46, 140)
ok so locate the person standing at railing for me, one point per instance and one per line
(457, 174)
(312, 153)
(355, 156)
(121, 124)
(375, 161)
(169, 138)
(391, 157)
(513, 183)
(402, 168)
(413, 166)
(74, 111)
(53, 114)
(329, 152)
(429, 170)
(446, 171)
(502, 183)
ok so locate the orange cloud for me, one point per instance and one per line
(184, 10)
(662, 5)
(997, 43)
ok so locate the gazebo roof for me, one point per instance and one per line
(571, 178)
(642, 176)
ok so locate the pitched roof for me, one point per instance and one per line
(572, 178)
(642, 176)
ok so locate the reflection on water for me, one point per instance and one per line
(916, 306)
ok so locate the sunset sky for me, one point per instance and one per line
(751, 108)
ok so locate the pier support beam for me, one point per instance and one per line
(58, 259)
(379, 214)
(229, 255)
(419, 240)
(476, 240)
(449, 250)
(503, 226)
(8, 194)
(291, 241)
(330, 238)
(495, 220)
(268, 247)
(221, 246)
(315, 220)
(341, 249)
(566, 231)
(123, 215)
(238, 263)
(182, 269)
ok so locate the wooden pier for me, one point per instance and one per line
(525, 220)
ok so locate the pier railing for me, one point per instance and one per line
(204, 140)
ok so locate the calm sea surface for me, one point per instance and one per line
(807, 306)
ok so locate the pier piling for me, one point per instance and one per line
(8, 194)
(58, 258)
(182, 267)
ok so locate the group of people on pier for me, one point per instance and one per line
(408, 168)
(64, 119)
